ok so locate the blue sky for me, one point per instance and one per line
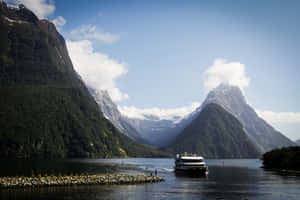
(169, 45)
(154, 54)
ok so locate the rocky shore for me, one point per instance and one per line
(99, 179)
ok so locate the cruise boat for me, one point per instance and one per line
(190, 163)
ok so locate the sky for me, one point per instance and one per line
(163, 57)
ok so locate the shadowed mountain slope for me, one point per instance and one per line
(215, 133)
(45, 109)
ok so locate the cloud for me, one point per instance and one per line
(42, 8)
(175, 114)
(89, 32)
(286, 122)
(59, 22)
(221, 71)
(233, 73)
(280, 117)
(97, 70)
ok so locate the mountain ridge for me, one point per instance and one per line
(112, 113)
(162, 133)
(215, 133)
(232, 99)
(46, 110)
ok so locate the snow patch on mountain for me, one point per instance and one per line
(156, 114)
(232, 99)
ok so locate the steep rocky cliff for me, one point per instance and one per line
(45, 108)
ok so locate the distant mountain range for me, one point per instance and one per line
(155, 132)
(297, 142)
(111, 112)
(46, 111)
(258, 134)
(150, 130)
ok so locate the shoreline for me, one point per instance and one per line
(284, 171)
(98, 179)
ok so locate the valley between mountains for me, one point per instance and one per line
(47, 111)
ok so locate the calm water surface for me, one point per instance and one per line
(227, 179)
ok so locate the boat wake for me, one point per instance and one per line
(168, 169)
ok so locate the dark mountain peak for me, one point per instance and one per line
(232, 100)
(15, 15)
(18, 14)
(215, 133)
(46, 110)
(26, 14)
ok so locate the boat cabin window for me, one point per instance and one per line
(192, 160)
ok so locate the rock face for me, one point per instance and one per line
(45, 109)
(215, 133)
(111, 112)
(233, 101)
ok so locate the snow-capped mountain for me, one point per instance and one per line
(232, 100)
(156, 132)
(149, 130)
(162, 132)
(111, 112)
(215, 133)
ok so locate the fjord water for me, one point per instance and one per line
(227, 179)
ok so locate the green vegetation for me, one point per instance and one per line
(45, 109)
(286, 158)
(215, 133)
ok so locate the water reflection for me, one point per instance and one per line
(227, 179)
(191, 176)
(55, 167)
(231, 183)
(66, 192)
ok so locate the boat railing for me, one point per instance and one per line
(186, 154)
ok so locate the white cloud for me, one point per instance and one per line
(280, 117)
(286, 122)
(175, 114)
(42, 8)
(59, 22)
(89, 32)
(96, 69)
(232, 73)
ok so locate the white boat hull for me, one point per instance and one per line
(190, 164)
